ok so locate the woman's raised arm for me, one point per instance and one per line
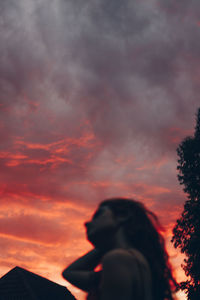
(81, 272)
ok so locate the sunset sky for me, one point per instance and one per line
(95, 97)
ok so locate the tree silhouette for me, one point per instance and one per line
(186, 233)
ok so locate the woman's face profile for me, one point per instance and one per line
(102, 225)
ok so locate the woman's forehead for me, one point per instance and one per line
(101, 208)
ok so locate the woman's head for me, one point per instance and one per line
(102, 227)
(143, 232)
(137, 221)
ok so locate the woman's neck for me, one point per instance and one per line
(119, 240)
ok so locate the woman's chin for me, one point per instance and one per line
(98, 240)
(92, 236)
(93, 239)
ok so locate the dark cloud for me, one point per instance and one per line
(121, 65)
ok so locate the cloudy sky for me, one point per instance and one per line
(95, 97)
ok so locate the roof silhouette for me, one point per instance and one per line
(20, 284)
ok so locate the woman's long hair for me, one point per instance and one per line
(143, 231)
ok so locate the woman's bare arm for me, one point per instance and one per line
(81, 272)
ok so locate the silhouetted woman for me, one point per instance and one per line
(130, 250)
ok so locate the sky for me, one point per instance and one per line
(95, 97)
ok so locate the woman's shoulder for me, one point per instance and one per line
(124, 252)
(129, 256)
(129, 266)
(137, 255)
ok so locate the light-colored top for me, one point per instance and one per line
(141, 277)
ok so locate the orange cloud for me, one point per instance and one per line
(33, 228)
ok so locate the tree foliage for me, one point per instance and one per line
(186, 233)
